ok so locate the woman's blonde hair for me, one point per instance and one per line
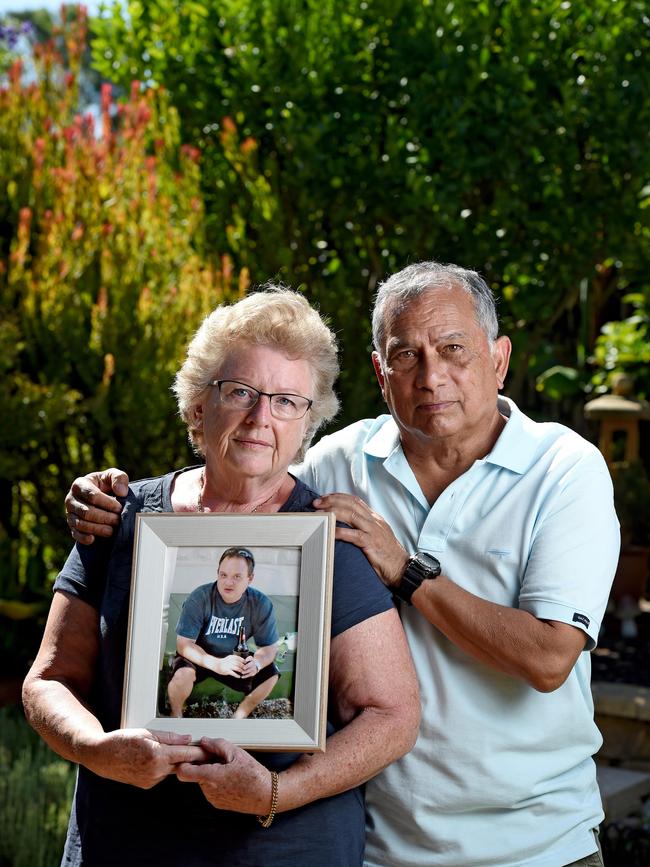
(275, 317)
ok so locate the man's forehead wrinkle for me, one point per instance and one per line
(433, 335)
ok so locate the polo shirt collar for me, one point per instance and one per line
(517, 446)
(385, 438)
(515, 449)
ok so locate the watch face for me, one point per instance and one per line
(427, 560)
(426, 563)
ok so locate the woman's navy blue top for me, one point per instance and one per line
(118, 825)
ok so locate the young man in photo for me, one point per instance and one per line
(214, 625)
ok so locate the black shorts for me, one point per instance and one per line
(245, 685)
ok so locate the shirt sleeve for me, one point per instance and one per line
(84, 572)
(358, 594)
(575, 550)
(193, 615)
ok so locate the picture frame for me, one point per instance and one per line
(161, 540)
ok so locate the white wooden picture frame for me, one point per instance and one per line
(159, 537)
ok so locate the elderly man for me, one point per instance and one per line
(499, 536)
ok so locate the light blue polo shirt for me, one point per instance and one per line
(501, 774)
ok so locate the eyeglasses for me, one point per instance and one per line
(239, 396)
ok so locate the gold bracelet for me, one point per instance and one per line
(265, 821)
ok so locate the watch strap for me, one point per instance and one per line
(419, 568)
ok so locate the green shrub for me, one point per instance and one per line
(35, 794)
(102, 281)
(343, 139)
(623, 347)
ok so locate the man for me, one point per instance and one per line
(499, 536)
(215, 620)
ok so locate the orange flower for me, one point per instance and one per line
(106, 92)
(248, 145)
(109, 368)
(39, 153)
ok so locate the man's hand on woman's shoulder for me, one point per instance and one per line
(90, 505)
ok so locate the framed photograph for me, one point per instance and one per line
(229, 627)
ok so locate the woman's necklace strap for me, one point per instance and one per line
(200, 507)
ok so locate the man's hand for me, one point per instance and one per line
(140, 757)
(251, 667)
(90, 510)
(370, 532)
(230, 665)
(231, 779)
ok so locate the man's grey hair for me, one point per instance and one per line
(394, 294)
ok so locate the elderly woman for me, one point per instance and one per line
(255, 386)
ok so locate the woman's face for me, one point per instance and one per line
(253, 443)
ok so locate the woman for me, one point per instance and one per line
(254, 388)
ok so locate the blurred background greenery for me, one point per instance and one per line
(167, 155)
(324, 143)
(35, 793)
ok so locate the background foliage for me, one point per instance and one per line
(102, 280)
(511, 136)
(35, 794)
(325, 144)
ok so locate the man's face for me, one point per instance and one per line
(233, 578)
(440, 377)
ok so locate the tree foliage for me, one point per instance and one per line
(102, 281)
(623, 346)
(339, 140)
(343, 139)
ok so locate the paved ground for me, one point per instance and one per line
(619, 665)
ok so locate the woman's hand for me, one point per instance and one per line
(55, 696)
(140, 757)
(230, 778)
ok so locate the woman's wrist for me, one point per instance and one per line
(267, 820)
(87, 747)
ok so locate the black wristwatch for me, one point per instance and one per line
(419, 567)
